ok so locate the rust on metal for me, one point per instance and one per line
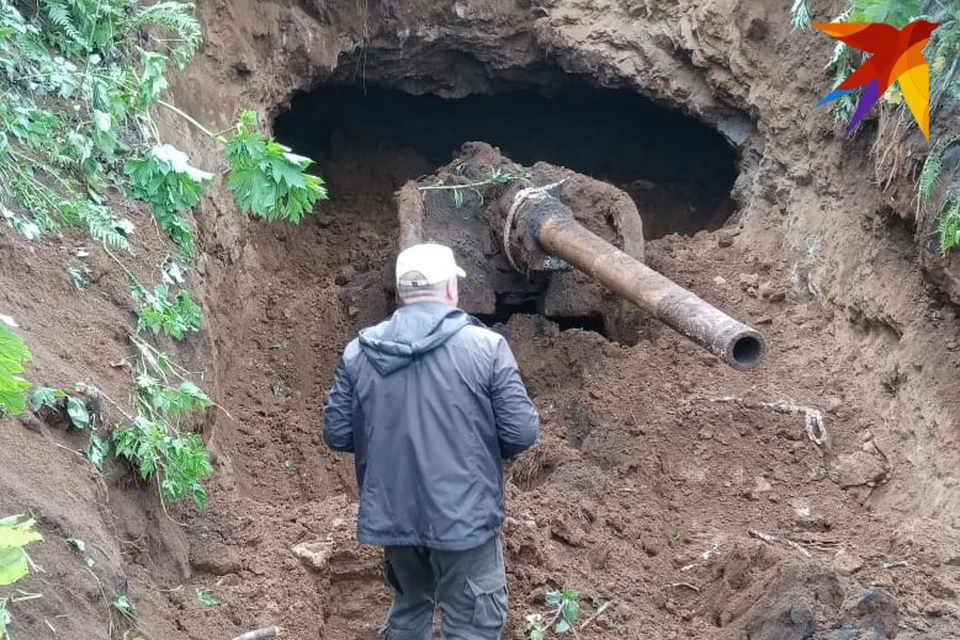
(549, 224)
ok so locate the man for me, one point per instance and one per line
(430, 402)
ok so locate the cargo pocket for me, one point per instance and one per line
(489, 603)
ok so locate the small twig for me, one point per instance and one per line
(37, 568)
(773, 540)
(891, 565)
(796, 546)
(556, 616)
(189, 119)
(174, 590)
(260, 634)
(596, 615)
(686, 585)
(79, 453)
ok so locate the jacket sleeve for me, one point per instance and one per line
(517, 419)
(338, 413)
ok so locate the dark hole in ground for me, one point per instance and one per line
(678, 170)
(532, 306)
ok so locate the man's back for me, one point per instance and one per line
(430, 402)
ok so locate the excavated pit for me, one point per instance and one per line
(369, 140)
(691, 499)
(678, 170)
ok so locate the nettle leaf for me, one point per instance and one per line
(554, 598)
(562, 626)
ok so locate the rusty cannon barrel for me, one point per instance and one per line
(539, 228)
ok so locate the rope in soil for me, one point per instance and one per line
(521, 196)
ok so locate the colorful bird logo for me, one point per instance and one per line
(897, 55)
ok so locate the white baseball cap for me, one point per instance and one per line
(434, 261)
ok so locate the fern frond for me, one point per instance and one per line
(101, 223)
(60, 17)
(175, 18)
(948, 226)
(933, 167)
(930, 174)
(106, 229)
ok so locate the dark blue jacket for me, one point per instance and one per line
(430, 402)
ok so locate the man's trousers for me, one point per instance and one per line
(469, 587)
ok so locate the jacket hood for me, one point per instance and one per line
(411, 331)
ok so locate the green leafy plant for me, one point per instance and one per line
(68, 77)
(180, 460)
(13, 355)
(948, 225)
(59, 400)
(79, 276)
(164, 178)
(124, 605)
(267, 179)
(78, 81)
(159, 314)
(154, 441)
(947, 209)
(565, 609)
(893, 12)
(567, 606)
(97, 451)
(944, 53)
(495, 176)
(206, 598)
(16, 532)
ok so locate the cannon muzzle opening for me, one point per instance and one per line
(521, 240)
(747, 351)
